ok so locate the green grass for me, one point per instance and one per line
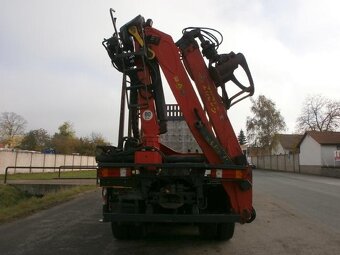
(9, 196)
(51, 175)
(15, 203)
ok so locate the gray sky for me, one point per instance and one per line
(53, 67)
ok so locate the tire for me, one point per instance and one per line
(136, 231)
(208, 231)
(225, 231)
(217, 231)
(127, 232)
(119, 231)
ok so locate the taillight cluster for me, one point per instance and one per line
(114, 172)
(227, 174)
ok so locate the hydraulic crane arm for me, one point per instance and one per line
(168, 58)
(215, 105)
(207, 81)
(139, 51)
(210, 126)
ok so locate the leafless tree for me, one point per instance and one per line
(319, 114)
(11, 126)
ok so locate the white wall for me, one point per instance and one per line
(179, 137)
(310, 152)
(27, 159)
(278, 150)
(327, 155)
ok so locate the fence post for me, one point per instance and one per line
(55, 161)
(72, 161)
(31, 162)
(44, 162)
(15, 162)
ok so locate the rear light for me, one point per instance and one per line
(227, 174)
(114, 172)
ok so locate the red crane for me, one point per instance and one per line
(143, 180)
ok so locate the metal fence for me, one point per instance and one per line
(59, 169)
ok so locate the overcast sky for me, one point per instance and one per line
(53, 67)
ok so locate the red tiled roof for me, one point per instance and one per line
(325, 138)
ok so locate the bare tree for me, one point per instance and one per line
(265, 124)
(11, 126)
(319, 114)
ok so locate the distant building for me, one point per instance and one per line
(314, 152)
(286, 144)
(317, 149)
(179, 137)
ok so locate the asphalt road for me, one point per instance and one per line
(295, 215)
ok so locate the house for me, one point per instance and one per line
(286, 144)
(317, 151)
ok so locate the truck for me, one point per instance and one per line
(143, 181)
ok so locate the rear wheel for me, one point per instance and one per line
(217, 231)
(136, 231)
(127, 231)
(225, 231)
(119, 231)
(208, 231)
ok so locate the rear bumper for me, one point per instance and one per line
(171, 218)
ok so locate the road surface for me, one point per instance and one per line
(295, 215)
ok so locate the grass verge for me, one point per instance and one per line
(50, 175)
(16, 204)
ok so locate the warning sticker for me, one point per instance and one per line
(147, 115)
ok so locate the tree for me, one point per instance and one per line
(65, 141)
(36, 140)
(242, 138)
(12, 125)
(266, 122)
(98, 139)
(66, 130)
(87, 145)
(319, 114)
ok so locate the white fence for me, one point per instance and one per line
(289, 163)
(33, 159)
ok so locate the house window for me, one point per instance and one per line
(338, 147)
